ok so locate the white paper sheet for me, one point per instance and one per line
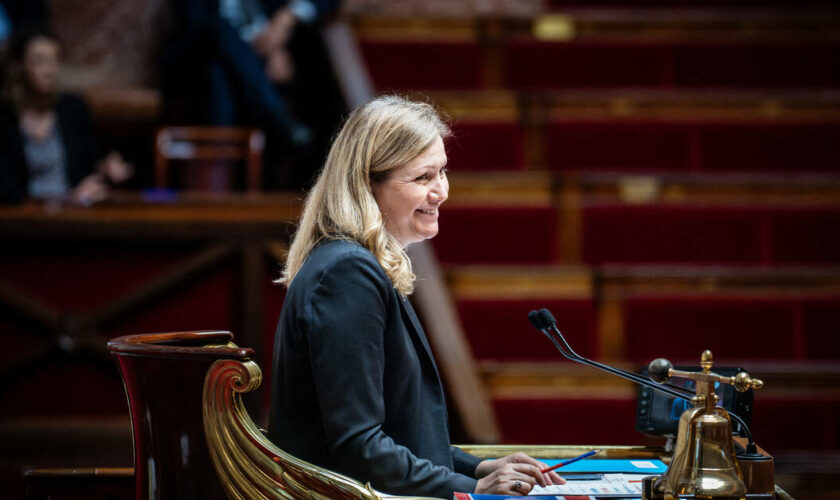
(611, 485)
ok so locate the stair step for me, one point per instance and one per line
(626, 312)
(474, 60)
(681, 132)
(541, 188)
(615, 22)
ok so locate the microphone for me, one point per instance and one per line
(658, 369)
(544, 321)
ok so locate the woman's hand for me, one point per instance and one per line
(515, 474)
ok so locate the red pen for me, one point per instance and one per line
(567, 462)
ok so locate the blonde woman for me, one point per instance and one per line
(355, 386)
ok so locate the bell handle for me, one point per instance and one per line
(661, 370)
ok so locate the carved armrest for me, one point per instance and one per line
(248, 464)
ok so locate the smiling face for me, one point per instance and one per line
(409, 197)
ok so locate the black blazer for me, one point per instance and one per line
(77, 137)
(355, 387)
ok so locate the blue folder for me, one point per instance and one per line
(612, 465)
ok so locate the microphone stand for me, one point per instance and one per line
(544, 321)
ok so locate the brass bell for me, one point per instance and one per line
(704, 462)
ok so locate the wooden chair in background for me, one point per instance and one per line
(210, 146)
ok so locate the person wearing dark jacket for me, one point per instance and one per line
(228, 50)
(257, 63)
(355, 387)
(47, 143)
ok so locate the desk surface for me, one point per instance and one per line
(563, 451)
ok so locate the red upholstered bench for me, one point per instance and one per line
(405, 65)
(798, 147)
(673, 233)
(734, 327)
(535, 64)
(687, 145)
(679, 328)
(821, 322)
(808, 235)
(569, 420)
(497, 234)
(617, 145)
(707, 234)
(777, 418)
(486, 145)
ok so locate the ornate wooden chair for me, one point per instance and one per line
(163, 376)
(205, 146)
(193, 437)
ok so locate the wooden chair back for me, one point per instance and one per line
(210, 145)
(163, 376)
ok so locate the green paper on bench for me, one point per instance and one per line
(627, 466)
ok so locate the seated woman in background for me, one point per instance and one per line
(355, 387)
(47, 144)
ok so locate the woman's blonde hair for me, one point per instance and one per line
(378, 136)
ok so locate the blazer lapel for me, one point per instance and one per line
(417, 329)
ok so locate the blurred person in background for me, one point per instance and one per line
(47, 145)
(256, 62)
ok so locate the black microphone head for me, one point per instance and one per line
(658, 370)
(536, 321)
(547, 318)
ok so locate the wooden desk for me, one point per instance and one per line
(564, 451)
